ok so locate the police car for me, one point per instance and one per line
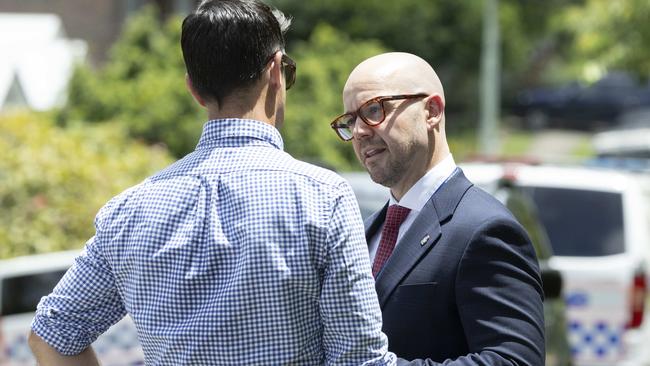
(598, 222)
(23, 281)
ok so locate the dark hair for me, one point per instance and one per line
(227, 44)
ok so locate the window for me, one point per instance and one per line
(581, 222)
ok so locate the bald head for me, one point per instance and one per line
(393, 73)
(408, 139)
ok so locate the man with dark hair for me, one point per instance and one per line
(237, 254)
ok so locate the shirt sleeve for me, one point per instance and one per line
(83, 305)
(349, 306)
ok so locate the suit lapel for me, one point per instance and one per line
(423, 234)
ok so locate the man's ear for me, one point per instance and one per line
(275, 72)
(435, 109)
(195, 94)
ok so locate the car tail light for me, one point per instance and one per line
(638, 297)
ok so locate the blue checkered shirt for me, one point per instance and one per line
(236, 254)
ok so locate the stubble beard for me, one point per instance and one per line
(394, 170)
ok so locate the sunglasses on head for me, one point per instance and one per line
(288, 67)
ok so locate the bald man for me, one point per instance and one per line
(456, 274)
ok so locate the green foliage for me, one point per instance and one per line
(142, 86)
(531, 40)
(608, 35)
(429, 28)
(324, 63)
(515, 143)
(53, 180)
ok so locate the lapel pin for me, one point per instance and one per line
(424, 240)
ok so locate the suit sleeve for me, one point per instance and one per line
(500, 299)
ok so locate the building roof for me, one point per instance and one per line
(11, 92)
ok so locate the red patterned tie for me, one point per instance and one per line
(394, 218)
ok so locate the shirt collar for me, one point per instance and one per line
(236, 132)
(418, 195)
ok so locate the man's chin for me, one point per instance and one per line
(377, 176)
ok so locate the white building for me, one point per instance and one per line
(37, 60)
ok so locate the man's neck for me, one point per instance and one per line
(256, 113)
(398, 191)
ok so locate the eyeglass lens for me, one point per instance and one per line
(372, 112)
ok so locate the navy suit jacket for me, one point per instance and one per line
(462, 286)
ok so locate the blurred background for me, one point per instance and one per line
(93, 100)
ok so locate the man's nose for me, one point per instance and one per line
(361, 129)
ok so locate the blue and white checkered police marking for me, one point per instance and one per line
(595, 340)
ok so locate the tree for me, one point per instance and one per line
(53, 180)
(608, 35)
(142, 87)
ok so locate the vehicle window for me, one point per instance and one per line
(581, 222)
(21, 294)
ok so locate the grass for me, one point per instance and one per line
(515, 143)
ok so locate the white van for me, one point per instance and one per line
(23, 281)
(598, 223)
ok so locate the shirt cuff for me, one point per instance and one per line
(64, 337)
